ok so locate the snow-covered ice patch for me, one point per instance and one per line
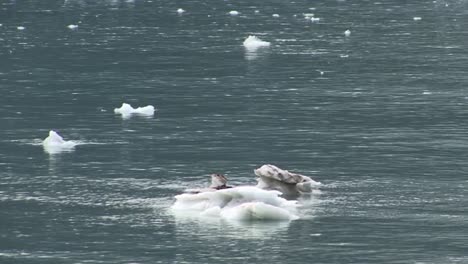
(252, 43)
(54, 143)
(126, 110)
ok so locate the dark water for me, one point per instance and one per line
(383, 127)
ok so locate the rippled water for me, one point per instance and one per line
(379, 117)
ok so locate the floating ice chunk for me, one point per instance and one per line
(308, 15)
(239, 203)
(252, 43)
(127, 110)
(347, 33)
(54, 143)
(315, 19)
(234, 13)
(257, 11)
(180, 11)
(417, 18)
(275, 15)
(72, 26)
(21, 28)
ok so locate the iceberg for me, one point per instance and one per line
(54, 143)
(127, 110)
(252, 43)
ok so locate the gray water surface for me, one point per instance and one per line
(379, 117)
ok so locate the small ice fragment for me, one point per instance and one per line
(417, 18)
(127, 110)
(315, 19)
(54, 143)
(275, 15)
(180, 11)
(308, 15)
(234, 13)
(347, 33)
(257, 11)
(1, 25)
(252, 43)
(72, 26)
(21, 28)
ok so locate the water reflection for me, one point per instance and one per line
(215, 227)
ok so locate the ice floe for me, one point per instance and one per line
(252, 43)
(180, 11)
(20, 28)
(126, 110)
(72, 26)
(417, 18)
(244, 203)
(234, 13)
(265, 201)
(347, 33)
(54, 143)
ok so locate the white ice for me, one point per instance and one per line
(347, 33)
(21, 28)
(275, 15)
(233, 13)
(127, 110)
(417, 18)
(72, 26)
(180, 11)
(315, 19)
(252, 43)
(54, 143)
(246, 203)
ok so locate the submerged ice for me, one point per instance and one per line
(54, 143)
(126, 110)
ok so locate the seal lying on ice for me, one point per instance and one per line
(270, 177)
(218, 182)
